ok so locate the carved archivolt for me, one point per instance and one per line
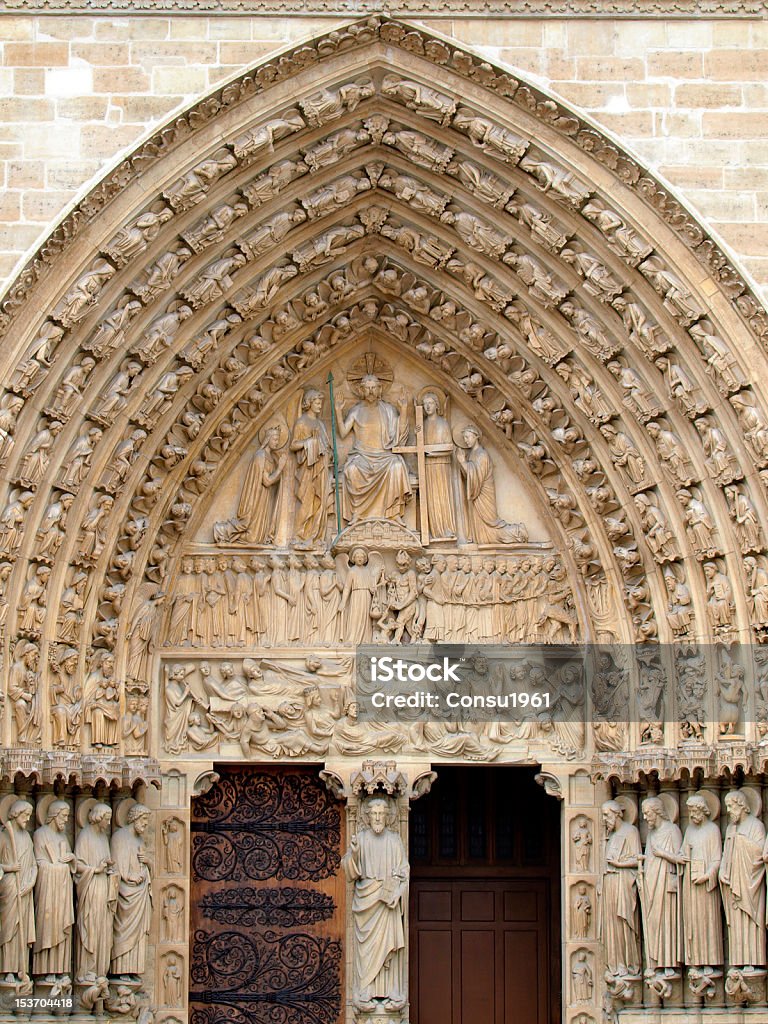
(377, 184)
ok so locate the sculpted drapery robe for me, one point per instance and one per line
(257, 511)
(618, 926)
(134, 904)
(483, 521)
(54, 910)
(96, 894)
(312, 446)
(703, 929)
(17, 912)
(379, 929)
(376, 483)
(742, 881)
(439, 474)
(662, 896)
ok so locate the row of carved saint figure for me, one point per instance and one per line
(106, 926)
(679, 885)
(318, 600)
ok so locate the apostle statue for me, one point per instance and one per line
(702, 848)
(438, 470)
(661, 886)
(134, 894)
(378, 865)
(742, 880)
(18, 872)
(375, 477)
(96, 895)
(483, 523)
(618, 924)
(312, 448)
(54, 906)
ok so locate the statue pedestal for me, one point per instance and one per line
(381, 1016)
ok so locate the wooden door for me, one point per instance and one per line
(267, 900)
(484, 906)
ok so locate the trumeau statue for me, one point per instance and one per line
(377, 863)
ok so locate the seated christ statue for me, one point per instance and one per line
(374, 477)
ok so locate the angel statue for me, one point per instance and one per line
(361, 598)
(257, 518)
(310, 443)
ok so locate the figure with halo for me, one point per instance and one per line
(742, 879)
(310, 444)
(374, 476)
(96, 885)
(377, 864)
(257, 517)
(133, 915)
(702, 850)
(18, 872)
(483, 523)
(660, 871)
(618, 924)
(54, 906)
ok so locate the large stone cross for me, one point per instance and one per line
(421, 450)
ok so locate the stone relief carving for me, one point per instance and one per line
(581, 844)
(377, 864)
(173, 914)
(582, 908)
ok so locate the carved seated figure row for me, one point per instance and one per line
(102, 938)
(222, 600)
(671, 896)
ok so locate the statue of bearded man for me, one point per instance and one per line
(378, 865)
(376, 484)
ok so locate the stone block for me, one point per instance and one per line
(25, 174)
(120, 80)
(708, 94)
(675, 65)
(28, 81)
(40, 55)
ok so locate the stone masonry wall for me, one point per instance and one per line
(689, 98)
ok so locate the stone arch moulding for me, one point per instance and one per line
(607, 344)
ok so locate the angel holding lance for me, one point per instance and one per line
(312, 447)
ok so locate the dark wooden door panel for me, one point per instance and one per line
(485, 900)
(267, 900)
